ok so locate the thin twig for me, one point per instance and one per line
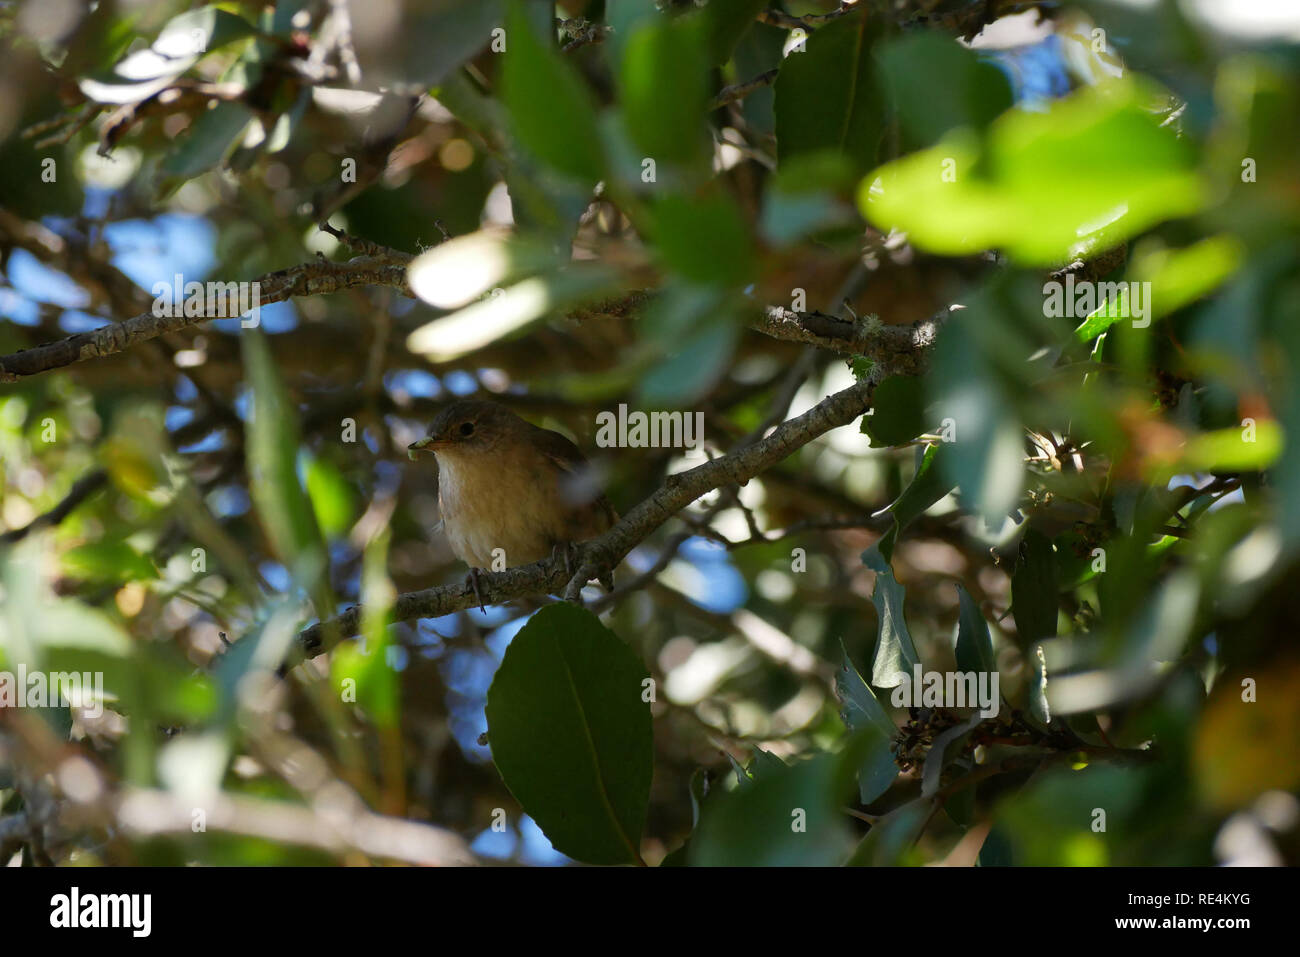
(81, 490)
(738, 91)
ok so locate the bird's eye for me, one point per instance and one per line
(467, 428)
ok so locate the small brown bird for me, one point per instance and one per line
(510, 493)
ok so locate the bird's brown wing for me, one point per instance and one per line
(570, 459)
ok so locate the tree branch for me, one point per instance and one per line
(904, 347)
(150, 813)
(738, 91)
(307, 279)
(81, 490)
(383, 266)
(779, 18)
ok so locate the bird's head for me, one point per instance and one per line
(468, 426)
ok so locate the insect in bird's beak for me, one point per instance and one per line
(426, 444)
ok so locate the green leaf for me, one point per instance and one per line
(987, 457)
(108, 561)
(626, 18)
(664, 88)
(789, 216)
(898, 412)
(551, 109)
(698, 790)
(1049, 187)
(862, 714)
(704, 239)
(437, 38)
(331, 497)
(895, 656)
(1039, 822)
(366, 664)
(207, 142)
(928, 485)
(941, 750)
(877, 769)
(536, 200)
(936, 85)
(176, 693)
(103, 35)
(366, 673)
(69, 624)
(789, 818)
(759, 50)
(743, 780)
(571, 734)
(184, 41)
(201, 31)
(764, 765)
(272, 450)
(827, 97)
(725, 22)
(454, 273)
(135, 454)
(74, 638)
(888, 842)
(1177, 277)
(1115, 306)
(974, 645)
(694, 368)
(1234, 449)
(260, 649)
(858, 705)
(996, 851)
(804, 198)
(960, 806)
(1034, 590)
(508, 312)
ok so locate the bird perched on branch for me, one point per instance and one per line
(511, 493)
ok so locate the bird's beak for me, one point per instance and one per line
(426, 444)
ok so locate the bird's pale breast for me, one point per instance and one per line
(490, 504)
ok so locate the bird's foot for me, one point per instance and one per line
(472, 581)
(569, 553)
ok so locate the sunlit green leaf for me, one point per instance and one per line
(505, 312)
(1176, 277)
(331, 497)
(107, 561)
(1047, 188)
